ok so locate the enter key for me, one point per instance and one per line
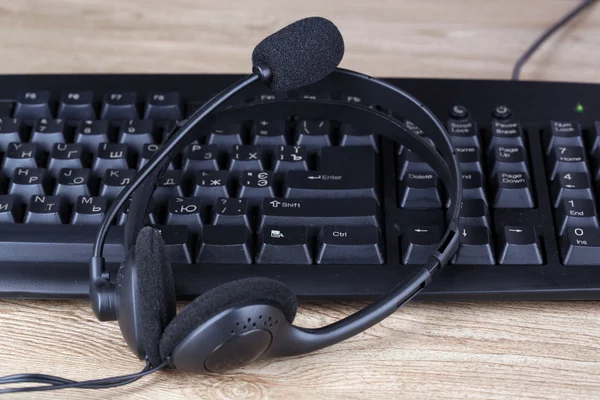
(306, 184)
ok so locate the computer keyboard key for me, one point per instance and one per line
(163, 106)
(563, 134)
(580, 246)
(567, 159)
(148, 151)
(169, 185)
(47, 132)
(474, 213)
(211, 185)
(473, 187)
(73, 243)
(508, 159)
(21, 155)
(118, 106)
(290, 158)
(45, 210)
(225, 244)
(417, 131)
(576, 213)
(417, 190)
(570, 185)
(268, 133)
(76, 105)
(226, 137)
(475, 246)
(350, 136)
(136, 133)
(246, 158)
(418, 243)
(33, 104)
(313, 134)
(284, 245)
(200, 158)
(519, 245)
(463, 133)
(255, 186)
(314, 213)
(11, 210)
(111, 156)
(506, 134)
(91, 134)
(73, 183)
(10, 132)
(151, 218)
(188, 211)
(27, 182)
(513, 190)
(65, 155)
(469, 158)
(229, 211)
(113, 181)
(350, 161)
(319, 185)
(349, 245)
(89, 210)
(410, 162)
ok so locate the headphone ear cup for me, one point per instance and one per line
(156, 290)
(234, 294)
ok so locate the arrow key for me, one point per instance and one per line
(574, 185)
(418, 243)
(520, 246)
(475, 246)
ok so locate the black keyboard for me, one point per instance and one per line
(331, 211)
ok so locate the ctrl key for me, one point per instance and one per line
(349, 245)
(581, 246)
(284, 245)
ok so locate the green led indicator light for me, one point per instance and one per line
(579, 108)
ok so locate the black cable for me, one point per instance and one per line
(55, 383)
(549, 32)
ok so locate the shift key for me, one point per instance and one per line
(301, 184)
(314, 213)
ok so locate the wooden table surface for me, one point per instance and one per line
(427, 350)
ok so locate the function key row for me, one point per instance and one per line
(81, 105)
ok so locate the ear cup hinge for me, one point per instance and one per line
(102, 296)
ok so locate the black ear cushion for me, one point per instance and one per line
(233, 294)
(156, 290)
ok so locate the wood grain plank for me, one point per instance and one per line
(428, 350)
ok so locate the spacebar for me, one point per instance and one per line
(58, 243)
(67, 243)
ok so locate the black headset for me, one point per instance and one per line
(241, 321)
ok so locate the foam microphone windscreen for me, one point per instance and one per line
(302, 53)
